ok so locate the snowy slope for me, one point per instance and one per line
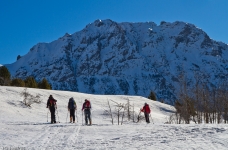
(10, 98)
(27, 128)
(107, 57)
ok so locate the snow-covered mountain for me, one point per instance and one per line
(107, 57)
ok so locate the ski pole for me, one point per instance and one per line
(82, 113)
(151, 119)
(67, 116)
(77, 115)
(82, 117)
(90, 117)
(58, 115)
(47, 116)
(74, 115)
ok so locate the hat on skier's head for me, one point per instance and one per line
(50, 96)
(145, 104)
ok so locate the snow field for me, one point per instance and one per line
(27, 128)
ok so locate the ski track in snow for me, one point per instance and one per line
(131, 136)
(28, 128)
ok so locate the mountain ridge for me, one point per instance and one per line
(107, 57)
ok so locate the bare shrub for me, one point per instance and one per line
(140, 117)
(171, 119)
(123, 112)
(29, 99)
(175, 119)
(118, 108)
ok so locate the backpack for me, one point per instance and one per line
(72, 104)
(87, 105)
(52, 102)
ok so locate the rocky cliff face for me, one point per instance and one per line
(126, 58)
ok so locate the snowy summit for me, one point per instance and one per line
(107, 57)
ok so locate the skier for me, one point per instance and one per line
(146, 110)
(86, 107)
(72, 107)
(51, 104)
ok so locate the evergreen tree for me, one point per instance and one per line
(44, 84)
(152, 96)
(4, 76)
(18, 83)
(30, 82)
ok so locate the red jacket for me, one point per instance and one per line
(146, 109)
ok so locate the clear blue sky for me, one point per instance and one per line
(24, 23)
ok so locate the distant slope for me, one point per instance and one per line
(107, 57)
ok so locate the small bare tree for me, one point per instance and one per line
(128, 106)
(133, 113)
(121, 112)
(110, 111)
(171, 119)
(119, 107)
(125, 107)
